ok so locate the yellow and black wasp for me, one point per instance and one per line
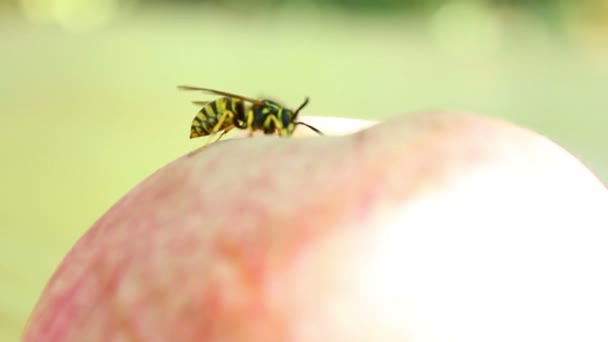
(236, 111)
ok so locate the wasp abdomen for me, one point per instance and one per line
(226, 109)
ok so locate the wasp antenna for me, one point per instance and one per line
(309, 126)
(300, 108)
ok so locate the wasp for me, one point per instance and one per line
(236, 111)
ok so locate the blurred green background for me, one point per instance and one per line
(89, 104)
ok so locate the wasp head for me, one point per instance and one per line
(289, 119)
(286, 118)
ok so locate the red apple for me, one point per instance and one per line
(435, 227)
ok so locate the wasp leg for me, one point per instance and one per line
(227, 114)
(282, 131)
(208, 140)
(224, 133)
(251, 131)
(249, 118)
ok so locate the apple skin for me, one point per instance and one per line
(433, 227)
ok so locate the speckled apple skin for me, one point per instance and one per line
(261, 239)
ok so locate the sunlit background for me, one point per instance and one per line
(90, 107)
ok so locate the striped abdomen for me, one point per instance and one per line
(207, 119)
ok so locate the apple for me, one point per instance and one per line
(429, 227)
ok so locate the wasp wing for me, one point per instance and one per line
(219, 92)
